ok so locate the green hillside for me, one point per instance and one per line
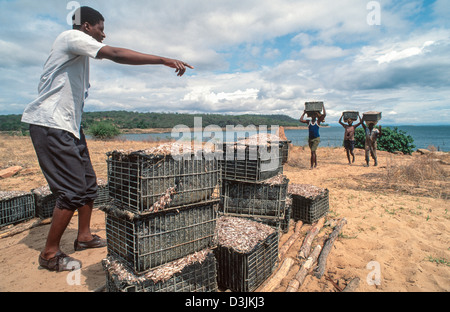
(134, 120)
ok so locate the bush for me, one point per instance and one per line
(391, 140)
(103, 130)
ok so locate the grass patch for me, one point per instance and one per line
(439, 261)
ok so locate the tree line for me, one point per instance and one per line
(136, 120)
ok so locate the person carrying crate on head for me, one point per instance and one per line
(349, 136)
(370, 145)
(314, 135)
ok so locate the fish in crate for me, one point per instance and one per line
(193, 273)
(163, 177)
(247, 253)
(15, 207)
(309, 202)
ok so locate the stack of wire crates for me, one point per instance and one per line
(163, 210)
(253, 187)
(253, 184)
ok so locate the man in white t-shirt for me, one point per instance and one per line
(55, 129)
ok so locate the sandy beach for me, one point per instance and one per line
(397, 217)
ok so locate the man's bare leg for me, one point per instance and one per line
(84, 222)
(60, 221)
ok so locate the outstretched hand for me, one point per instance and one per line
(180, 67)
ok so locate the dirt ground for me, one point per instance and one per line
(400, 222)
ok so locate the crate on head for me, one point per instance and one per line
(156, 179)
(143, 242)
(45, 201)
(309, 202)
(249, 162)
(312, 108)
(246, 254)
(372, 117)
(193, 273)
(15, 207)
(265, 199)
(350, 115)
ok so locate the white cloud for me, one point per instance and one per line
(323, 52)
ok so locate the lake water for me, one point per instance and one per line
(424, 136)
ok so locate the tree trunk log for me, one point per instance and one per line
(306, 246)
(295, 283)
(26, 226)
(275, 281)
(322, 262)
(351, 287)
(284, 249)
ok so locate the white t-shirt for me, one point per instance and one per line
(64, 83)
(372, 135)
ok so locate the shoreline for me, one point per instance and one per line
(169, 130)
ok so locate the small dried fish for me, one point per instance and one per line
(43, 190)
(102, 182)
(306, 190)
(168, 149)
(241, 234)
(260, 139)
(276, 180)
(160, 274)
(288, 201)
(5, 195)
(163, 201)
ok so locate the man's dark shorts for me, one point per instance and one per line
(349, 145)
(66, 165)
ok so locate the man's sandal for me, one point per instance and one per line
(60, 262)
(96, 242)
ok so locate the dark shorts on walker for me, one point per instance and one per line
(66, 165)
(349, 145)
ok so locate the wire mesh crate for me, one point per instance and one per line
(144, 242)
(263, 199)
(250, 163)
(246, 253)
(281, 225)
(244, 272)
(193, 273)
(45, 202)
(312, 108)
(309, 210)
(147, 183)
(102, 193)
(372, 116)
(16, 207)
(352, 115)
(285, 151)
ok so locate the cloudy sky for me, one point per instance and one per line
(250, 56)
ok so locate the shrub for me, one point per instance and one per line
(103, 130)
(391, 140)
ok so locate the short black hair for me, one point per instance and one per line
(86, 14)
